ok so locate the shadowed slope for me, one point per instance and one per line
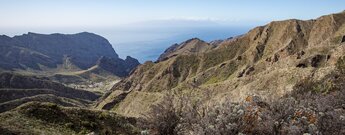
(47, 118)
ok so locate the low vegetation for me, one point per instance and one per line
(48, 118)
(313, 107)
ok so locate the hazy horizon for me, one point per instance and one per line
(143, 29)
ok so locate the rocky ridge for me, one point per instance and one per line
(268, 61)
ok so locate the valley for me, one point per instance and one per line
(286, 77)
(63, 70)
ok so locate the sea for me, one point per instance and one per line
(147, 45)
(144, 43)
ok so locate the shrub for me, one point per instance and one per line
(305, 110)
(341, 64)
(163, 118)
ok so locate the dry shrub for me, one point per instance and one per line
(302, 111)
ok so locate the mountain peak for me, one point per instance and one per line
(83, 48)
(33, 33)
(195, 39)
(129, 58)
(87, 33)
(191, 46)
(5, 37)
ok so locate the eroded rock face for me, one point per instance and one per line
(267, 61)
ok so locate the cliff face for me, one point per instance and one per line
(60, 53)
(118, 67)
(84, 49)
(268, 61)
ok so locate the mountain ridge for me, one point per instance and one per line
(286, 77)
(50, 54)
(191, 46)
(57, 45)
(267, 61)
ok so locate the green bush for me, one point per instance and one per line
(341, 65)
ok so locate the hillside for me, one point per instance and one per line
(268, 61)
(57, 55)
(47, 118)
(82, 50)
(18, 89)
(191, 46)
(99, 77)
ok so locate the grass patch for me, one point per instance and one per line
(48, 118)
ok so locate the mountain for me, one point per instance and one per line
(269, 61)
(191, 46)
(40, 51)
(59, 70)
(286, 77)
(82, 49)
(60, 54)
(69, 70)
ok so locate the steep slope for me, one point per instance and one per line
(84, 49)
(191, 46)
(268, 61)
(47, 55)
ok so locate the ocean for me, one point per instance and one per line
(149, 44)
(145, 43)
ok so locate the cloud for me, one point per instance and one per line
(193, 19)
(179, 22)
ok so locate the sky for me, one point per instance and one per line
(125, 22)
(110, 13)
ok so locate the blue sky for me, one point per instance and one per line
(145, 28)
(110, 13)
